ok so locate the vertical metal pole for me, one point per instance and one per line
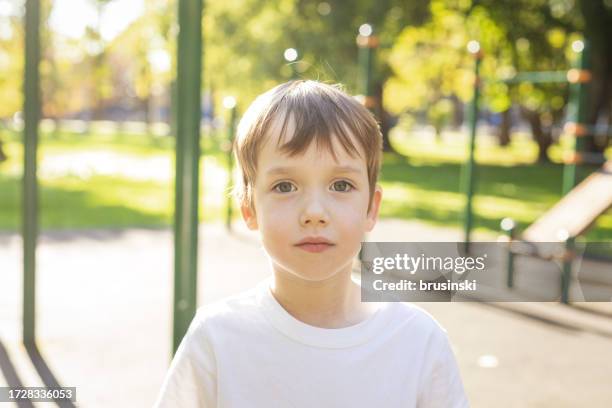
(566, 274)
(365, 56)
(230, 164)
(577, 114)
(30, 187)
(291, 55)
(470, 167)
(188, 85)
(367, 42)
(294, 73)
(509, 227)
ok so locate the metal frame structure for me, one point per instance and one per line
(31, 109)
(578, 78)
(367, 42)
(187, 179)
(187, 131)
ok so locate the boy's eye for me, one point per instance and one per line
(341, 186)
(284, 187)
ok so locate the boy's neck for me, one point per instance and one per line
(331, 304)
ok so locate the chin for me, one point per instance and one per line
(316, 277)
(318, 273)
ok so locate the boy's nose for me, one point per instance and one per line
(314, 214)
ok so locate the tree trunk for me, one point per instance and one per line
(98, 99)
(146, 107)
(598, 31)
(438, 133)
(3, 156)
(457, 112)
(503, 131)
(387, 122)
(542, 136)
(599, 99)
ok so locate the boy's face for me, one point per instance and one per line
(311, 210)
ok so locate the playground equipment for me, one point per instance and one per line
(291, 56)
(474, 49)
(189, 69)
(367, 43)
(562, 223)
(593, 196)
(185, 126)
(31, 109)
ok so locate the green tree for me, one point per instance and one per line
(138, 57)
(11, 69)
(100, 87)
(431, 62)
(541, 31)
(245, 41)
(11, 65)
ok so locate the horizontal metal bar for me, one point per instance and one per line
(538, 77)
(592, 158)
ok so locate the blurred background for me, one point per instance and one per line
(107, 69)
(106, 171)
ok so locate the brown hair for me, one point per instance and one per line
(319, 112)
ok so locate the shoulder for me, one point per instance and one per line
(415, 321)
(239, 310)
(426, 336)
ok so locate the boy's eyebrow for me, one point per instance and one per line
(289, 169)
(280, 170)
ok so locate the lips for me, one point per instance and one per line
(314, 244)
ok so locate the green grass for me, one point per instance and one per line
(76, 200)
(422, 183)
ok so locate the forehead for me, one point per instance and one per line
(317, 151)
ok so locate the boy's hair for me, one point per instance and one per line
(319, 113)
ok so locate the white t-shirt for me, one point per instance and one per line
(247, 351)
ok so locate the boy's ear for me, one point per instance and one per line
(372, 216)
(248, 214)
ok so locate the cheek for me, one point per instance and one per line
(274, 218)
(277, 231)
(352, 219)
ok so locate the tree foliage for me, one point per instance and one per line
(11, 64)
(431, 62)
(421, 64)
(547, 27)
(245, 40)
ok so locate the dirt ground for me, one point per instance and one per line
(104, 305)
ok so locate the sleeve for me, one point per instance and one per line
(191, 380)
(441, 385)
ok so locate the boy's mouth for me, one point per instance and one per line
(314, 244)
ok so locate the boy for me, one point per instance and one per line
(310, 156)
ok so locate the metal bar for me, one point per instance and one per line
(566, 273)
(509, 227)
(365, 54)
(31, 108)
(577, 113)
(470, 168)
(367, 43)
(538, 77)
(189, 68)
